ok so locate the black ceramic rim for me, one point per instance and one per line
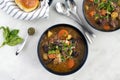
(91, 24)
(50, 2)
(83, 60)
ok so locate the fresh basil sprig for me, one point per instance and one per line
(11, 37)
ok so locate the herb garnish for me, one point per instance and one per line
(11, 37)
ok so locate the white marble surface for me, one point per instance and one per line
(103, 62)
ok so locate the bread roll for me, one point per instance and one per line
(28, 5)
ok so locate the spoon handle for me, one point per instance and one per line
(1, 1)
(22, 46)
(86, 33)
(73, 9)
(80, 19)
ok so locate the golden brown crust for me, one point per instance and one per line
(27, 5)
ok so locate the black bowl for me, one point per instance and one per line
(84, 54)
(94, 25)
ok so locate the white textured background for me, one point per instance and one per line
(103, 62)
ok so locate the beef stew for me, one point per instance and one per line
(102, 15)
(62, 49)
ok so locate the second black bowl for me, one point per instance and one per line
(102, 15)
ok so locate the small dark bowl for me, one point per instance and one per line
(93, 25)
(81, 63)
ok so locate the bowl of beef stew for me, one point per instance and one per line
(62, 49)
(103, 15)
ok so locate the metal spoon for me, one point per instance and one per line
(73, 9)
(61, 9)
(31, 31)
(1, 1)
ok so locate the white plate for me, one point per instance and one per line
(10, 7)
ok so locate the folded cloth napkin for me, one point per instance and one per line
(10, 7)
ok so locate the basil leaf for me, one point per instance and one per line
(14, 41)
(14, 32)
(110, 8)
(3, 44)
(51, 52)
(101, 5)
(2, 27)
(6, 32)
(11, 38)
(96, 1)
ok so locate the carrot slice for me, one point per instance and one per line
(92, 13)
(103, 12)
(62, 34)
(91, 0)
(70, 63)
(52, 56)
(106, 27)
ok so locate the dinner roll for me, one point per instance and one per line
(27, 5)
